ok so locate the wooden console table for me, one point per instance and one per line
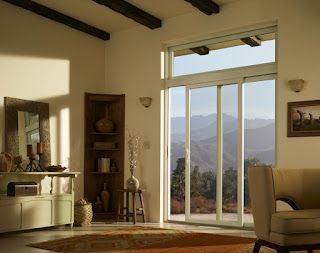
(48, 208)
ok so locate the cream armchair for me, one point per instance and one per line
(285, 231)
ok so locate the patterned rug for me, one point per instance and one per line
(149, 240)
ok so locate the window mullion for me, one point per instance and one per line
(240, 153)
(219, 168)
(187, 157)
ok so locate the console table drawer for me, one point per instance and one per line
(62, 212)
(10, 218)
(36, 213)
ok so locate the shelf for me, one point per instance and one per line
(97, 172)
(104, 216)
(105, 149)
(111, 134)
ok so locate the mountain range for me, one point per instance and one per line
(259, 141)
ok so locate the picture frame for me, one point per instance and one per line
(303, 118)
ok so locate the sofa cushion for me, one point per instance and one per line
(296, 222)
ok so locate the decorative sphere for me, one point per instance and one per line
(104, 125)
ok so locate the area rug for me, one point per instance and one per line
(149, 240)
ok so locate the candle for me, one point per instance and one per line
(29, 149)
(39, 148)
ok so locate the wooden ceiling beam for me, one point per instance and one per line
(252, 41)
(208, 7)
(203, 50)
(60, 18)
(133, 12)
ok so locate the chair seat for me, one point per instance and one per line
(296, 222)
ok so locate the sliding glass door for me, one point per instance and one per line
(216, 131)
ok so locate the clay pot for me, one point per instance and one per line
(104, 125)
(5, 162)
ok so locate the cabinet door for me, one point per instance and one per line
(36, 213)
(10, 218)
(62, 212)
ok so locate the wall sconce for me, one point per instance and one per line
(296, 85)
(145, 101)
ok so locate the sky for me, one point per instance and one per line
(259, 97)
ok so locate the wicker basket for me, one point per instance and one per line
(83, 215)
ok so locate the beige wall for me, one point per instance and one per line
(46, 61)
(133, 67)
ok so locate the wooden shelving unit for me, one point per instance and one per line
(95, 133)
(105, 149)
(99, 173)
(98, 106)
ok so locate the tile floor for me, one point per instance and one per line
(15, 242)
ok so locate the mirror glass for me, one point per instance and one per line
(28, 132)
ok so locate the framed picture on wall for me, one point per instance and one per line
(304, 118)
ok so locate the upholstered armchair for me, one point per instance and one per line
(297, 229)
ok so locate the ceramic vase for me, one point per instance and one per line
(5, 162)
(98, 206)
(132, 183)
(105, 196)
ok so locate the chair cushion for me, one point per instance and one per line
(296, 222)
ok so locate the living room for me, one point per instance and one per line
(45, 61)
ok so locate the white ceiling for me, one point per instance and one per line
(104, 18)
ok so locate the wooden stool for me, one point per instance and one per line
(127, 213)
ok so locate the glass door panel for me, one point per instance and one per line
(259, 132)
(176, 153)
(203, 153)
(229, 144)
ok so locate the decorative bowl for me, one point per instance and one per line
(55, 168)
(104, 125)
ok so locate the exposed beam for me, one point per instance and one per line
(203, 50)
(252, 41)
(206, 6)
(60, 18)
(131, 11)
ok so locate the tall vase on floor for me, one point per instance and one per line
(134, 145)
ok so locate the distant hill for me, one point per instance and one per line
(204, 127)
(259, 142)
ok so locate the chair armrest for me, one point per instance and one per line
(290, 202)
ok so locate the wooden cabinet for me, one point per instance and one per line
(104, 144)
(43, 210)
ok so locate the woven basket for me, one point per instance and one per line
(83, 215)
